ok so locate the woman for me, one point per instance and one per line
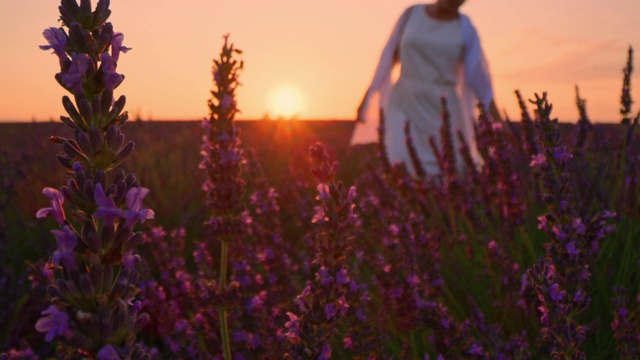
(439, 53)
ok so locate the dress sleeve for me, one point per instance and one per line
(377, 95)
(476, 69)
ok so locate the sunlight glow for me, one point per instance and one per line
(285, 101)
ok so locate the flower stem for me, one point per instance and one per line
(224, 250)
(222, 312)
(224, 333)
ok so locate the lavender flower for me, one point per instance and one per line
(117, 47)
(57, 40)
(73, 80)
(56, 210)
(67, 240)
(223, 163)
(323, 302)
(93, 295)
(135, 211)
(55, 323)
(108, 66)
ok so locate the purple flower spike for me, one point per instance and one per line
(55, 323)
(134, 203)
(57, 40)
(74, 78)
(111, 78)
(56, 210)
(117, 47)
(67, 240)
(107, 209)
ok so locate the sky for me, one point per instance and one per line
(313, 59)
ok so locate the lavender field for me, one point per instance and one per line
(222, 239)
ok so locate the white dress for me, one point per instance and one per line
(437, 58)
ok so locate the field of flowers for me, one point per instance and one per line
(209, 242)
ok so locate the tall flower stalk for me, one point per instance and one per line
(93, 309)
(562, 277)
(323, 302)
(223, 162)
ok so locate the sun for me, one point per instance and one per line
(285, 101)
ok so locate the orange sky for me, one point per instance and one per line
(326, 49)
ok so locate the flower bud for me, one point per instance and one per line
(111, 134)
(85, 7)
(122, 118)
(120, 315)
(119, 288)
(97, 278)
(85, 111)
(92, 241)
(86, 286)
(95, 136)
(100, 177)
(88, 189)
(131, 180)
(66, 15)
(119, 191)
(106, 32)
(71, 148)
(105, 104)
(64, 161)
(117, 108)
(68, 122)
(141, 322)
(78, 38)
(117, 143)
(124, 152)
(83, 142)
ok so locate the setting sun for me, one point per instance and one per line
(285, 101)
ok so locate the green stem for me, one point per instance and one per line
(222, 312)
(223, 264)
(224, 332)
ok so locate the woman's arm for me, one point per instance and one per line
(476, 69)
(362, 107)
(381, 82)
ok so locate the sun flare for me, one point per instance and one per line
(285, 101)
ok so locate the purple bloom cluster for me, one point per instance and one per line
(562, 277)
(93, 309)
(323, 303)
(223, 161)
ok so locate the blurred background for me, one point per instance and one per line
(313, 59)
